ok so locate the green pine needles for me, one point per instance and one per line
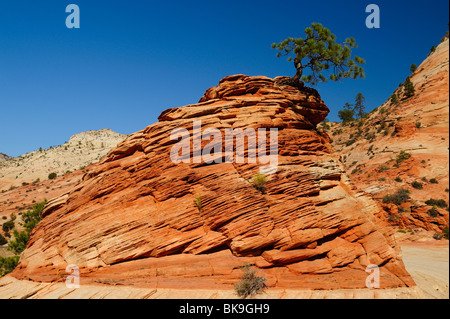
(320, 53)
(409, 88)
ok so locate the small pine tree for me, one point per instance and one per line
(359, 105)
(348, 106)
(409, 88)
(394, 99)
(413, 68)
(346, 116)
(319, 52)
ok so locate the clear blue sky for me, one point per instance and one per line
(130, 60)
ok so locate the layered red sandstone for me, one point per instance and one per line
(133, 221)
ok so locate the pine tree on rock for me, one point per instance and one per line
(319, 52)
(409, 89)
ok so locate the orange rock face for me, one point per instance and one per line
(134, 220)
(419, 126)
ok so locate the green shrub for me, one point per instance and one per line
(417, 185)
(402, 156)
(400, 196)
(259, 182)
(19, 243)
(250, 284)
(3, 240)
(346, 116)
(8, 226)
(433, 212)
(437, 202)
(409, 88)
(198, 201)
(7, 265)
(353, 163)
(398, 179)
(32, 217)
(418, 124)
(350, 142)
(445, 231)
(434, 181)
(325, 126)
(52, 175)
(394, 98)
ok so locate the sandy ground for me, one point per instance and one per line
(11, 288)
(428, 264)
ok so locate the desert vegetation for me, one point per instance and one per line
(437, 202)
(259, 182)
(20, 239)
(250, 283)
(198, 202)
(319, 52)
(399, 197)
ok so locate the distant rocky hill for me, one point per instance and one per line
(405, 145)
(81, 150)
(4, 157)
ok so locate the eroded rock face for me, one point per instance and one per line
(419, 126)
(133, 219)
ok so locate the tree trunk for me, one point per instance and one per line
(295, 80)
(299, 67)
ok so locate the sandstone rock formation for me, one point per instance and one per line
(419, 126)
(133, 219)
